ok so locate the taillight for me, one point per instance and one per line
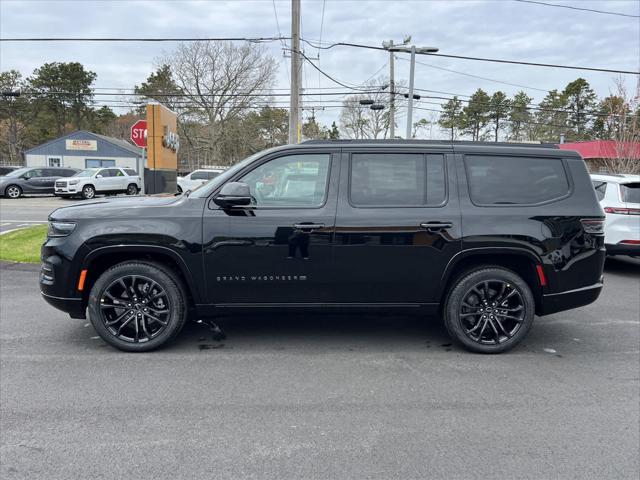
(593, 225)
(622, 210)
(629, 242)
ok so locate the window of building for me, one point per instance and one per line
(55, 161)
(290, 181)
(397, 179)
(511, 180)
(99, 162)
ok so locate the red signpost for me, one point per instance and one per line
(139, 137)
(139, 133)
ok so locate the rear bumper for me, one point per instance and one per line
(557, 302)
(622, 249)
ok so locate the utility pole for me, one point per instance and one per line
(392, 92)
(410, 104)
(294, 105)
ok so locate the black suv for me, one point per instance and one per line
(486, 235)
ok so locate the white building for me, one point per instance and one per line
(82, 149)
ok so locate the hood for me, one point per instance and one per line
(121, 207)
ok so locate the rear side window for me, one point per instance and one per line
(600, 188)
(202, 175)
(397, 179)
(511, 180)
(131, 173)
(630, 192)
(115, 172)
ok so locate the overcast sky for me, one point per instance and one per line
(504, 29)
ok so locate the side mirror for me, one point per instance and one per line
(98, 176)
(233, 194)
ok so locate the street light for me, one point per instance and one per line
(412, 50)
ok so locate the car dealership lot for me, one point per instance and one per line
(319, 396)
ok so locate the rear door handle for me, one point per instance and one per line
(436, 226)
(308, 226)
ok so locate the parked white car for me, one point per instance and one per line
(87, 183)
(197, 178)
(619, 196)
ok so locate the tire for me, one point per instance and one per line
(138, 333)
(489, 326)
(13, 191)
(132, 189)
(88, 192)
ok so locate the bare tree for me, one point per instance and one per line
(359, 121)
(624, 122)
(221, 82)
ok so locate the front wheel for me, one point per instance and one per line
(88, 192)
(132, 189)
(13, 191)
(137, 306)
(489, 310)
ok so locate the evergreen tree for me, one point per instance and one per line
(499, 107)
(476, 115)
(451, 117)
(550, 118)
(520, 116)
(580, 101)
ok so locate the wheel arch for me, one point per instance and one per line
(520, 261)
(100, 259)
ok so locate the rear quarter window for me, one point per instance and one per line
(513, 180)
(630, 192)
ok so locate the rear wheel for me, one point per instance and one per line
(88, 192)
(13, 191)
(489, 310)
(137, 306)
(132, 189)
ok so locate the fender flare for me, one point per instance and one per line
(143, 248)
(479, 251)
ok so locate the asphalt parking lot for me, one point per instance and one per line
(297, 396)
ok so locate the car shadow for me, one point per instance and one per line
(623, 265)
(317, 331)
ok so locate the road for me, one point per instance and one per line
(31, 210)
(316, 397)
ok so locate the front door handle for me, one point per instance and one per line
(308, 226)
(436, 226)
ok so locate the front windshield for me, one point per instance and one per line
(204, 190)
(85, 173)
(17, 173)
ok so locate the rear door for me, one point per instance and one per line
(397, 226)
(118, 179)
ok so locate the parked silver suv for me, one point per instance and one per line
(99, 180)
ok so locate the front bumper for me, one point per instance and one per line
(73, 306)
(558, 302)
(66, 190)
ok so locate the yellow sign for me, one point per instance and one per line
(82, 145)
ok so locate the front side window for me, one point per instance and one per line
(511, 180)
(104, 173)
(290, 181)
(397, 179)
(35, 173)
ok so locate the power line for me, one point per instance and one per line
(578, 8)
(144, 39)
(478, 76)
(479, 59)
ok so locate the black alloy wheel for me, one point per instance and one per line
(137, 306)
(489, 310)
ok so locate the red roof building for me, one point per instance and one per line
(594, 151)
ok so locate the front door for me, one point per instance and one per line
(278, 249)
(397, 227)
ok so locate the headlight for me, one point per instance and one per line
(73, 182)
(60, 229)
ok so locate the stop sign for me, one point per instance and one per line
(139, 133)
